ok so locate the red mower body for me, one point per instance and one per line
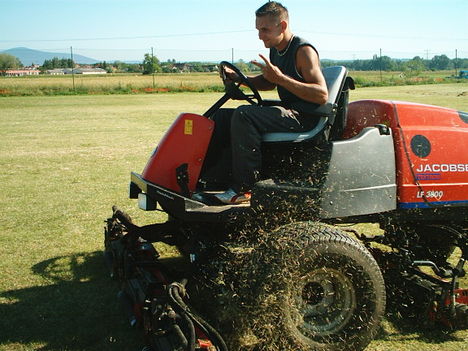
(431, 146)
(186, 142)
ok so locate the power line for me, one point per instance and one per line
(127, 38)
(426, 53)
(159, 36)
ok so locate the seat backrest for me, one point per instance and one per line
(335, 78)
(337, 122)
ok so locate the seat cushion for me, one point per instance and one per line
(295, 137)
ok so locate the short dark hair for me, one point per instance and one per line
(274, 9)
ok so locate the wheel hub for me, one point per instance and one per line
(323, 303)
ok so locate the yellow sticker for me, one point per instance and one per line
(188, 128)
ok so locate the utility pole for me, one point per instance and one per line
(232, 55)
(380, 65)
(456, 61)
(73, 66)
(152, 64)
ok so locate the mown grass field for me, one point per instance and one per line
(65, 161)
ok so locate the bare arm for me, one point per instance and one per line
(261, 83)
(258, 81)
(314, 89)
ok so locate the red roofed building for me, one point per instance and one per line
(22, 72)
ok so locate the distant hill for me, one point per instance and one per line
(30, 56)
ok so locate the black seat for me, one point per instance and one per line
(338, 84)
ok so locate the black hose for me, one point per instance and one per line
(174, 296)
(212, 332)
(201, 323)
(191, 328)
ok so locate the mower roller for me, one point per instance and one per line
(282, 272)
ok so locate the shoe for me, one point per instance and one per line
(200, 197)
(230, 197)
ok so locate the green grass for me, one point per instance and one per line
(66, 161)
(393, 78)
(109, 84)
(447, 95)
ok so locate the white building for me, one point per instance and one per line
(21, 72)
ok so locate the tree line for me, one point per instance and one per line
(416, 64)
(57, 63)
(151, 64)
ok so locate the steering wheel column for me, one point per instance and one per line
(233, 90)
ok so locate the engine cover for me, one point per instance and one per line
(430, 150)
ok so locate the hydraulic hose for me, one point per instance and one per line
(191, 327)
(174, 294)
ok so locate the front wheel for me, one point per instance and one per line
(321, 290)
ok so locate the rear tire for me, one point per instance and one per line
(321, 290)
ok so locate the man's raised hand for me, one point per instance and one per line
(270, 72)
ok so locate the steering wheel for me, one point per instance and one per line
(233, 91)
(233, 88)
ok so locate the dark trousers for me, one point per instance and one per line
(240, 131)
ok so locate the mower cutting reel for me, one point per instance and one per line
(149, 300)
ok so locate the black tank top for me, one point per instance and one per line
(286, 62)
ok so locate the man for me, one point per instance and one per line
(293, 67)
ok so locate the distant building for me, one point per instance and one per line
(79, 70)
(86, 71)
(188, 67)
(27, 71)
(56, 71)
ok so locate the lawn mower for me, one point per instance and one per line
(283, 272)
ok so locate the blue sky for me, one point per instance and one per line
(212, 30)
